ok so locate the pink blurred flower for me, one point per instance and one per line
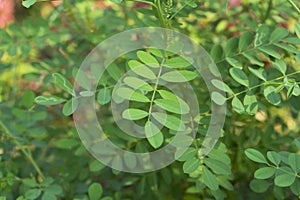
(56, 2)
(6, 12)
(234, 3)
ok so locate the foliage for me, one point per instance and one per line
(255, 46)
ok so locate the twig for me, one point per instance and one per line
(18, 144)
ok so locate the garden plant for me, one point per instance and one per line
(216, 81)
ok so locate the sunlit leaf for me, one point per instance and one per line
(129, 94)
(141, 70)
(134, 114)
(63, 83)
(154, 135)
(148, 59)
(250, 103)
(179, 76)
(239, 76)
(49, 100)
(255, 156)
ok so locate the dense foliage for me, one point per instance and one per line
(256, 47)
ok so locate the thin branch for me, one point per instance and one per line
(294, 6)
(22, 148)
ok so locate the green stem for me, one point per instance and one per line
(294, 6)
(124, 10)
(179, 10)
(160, 14)
(155, 88)
(257, 86)
(21, 147)
(244, 51)
(283, 170)
(146, 2)
(270, 5)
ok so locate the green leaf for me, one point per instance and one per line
(271, 96)
(28, 98)
(278, 34)
(290, 92)
(218, 98)
(286, 47)
(47, 196)
(217, 53)
(104, 96)
(177, 62)
(187, 155)
(30, 182)
(245, 41)
(49, 100)
(279, 88)
(234, 63)
(296, 90)
(259, 73)
(156, 52)
(284, 180)
(12, 50)
(217, 166)
(253, 59)
(137, 83)
(222, 86)
(141, 70)
(292, 40)
(220, 154)
(134, 114)
(47, 182)
(173, 105)
(250, 103)
(255, 156)
(86, 93)
(179, 76)
(239, 76)
(170, 96)
(280, 65)
(264, 173)
(95, 191)
(297, 142)
(63, 83)
(259, 186)
(82, 79)
(148, 59)
(33, 193)
(66, 143)
(129, 94)
(154, 135)
(270, 51)
(130, 160)
(96, 166)
(70, 107)
(297, 29)
(274, 157)
(231, 46)
(54, 189)
(237, 105)
(114, 71)
(262, 35)
(28, 3)
(209, 179)
(191, 165)
(295, 188)
(191, 3)
(294, 162)
(169, 121)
